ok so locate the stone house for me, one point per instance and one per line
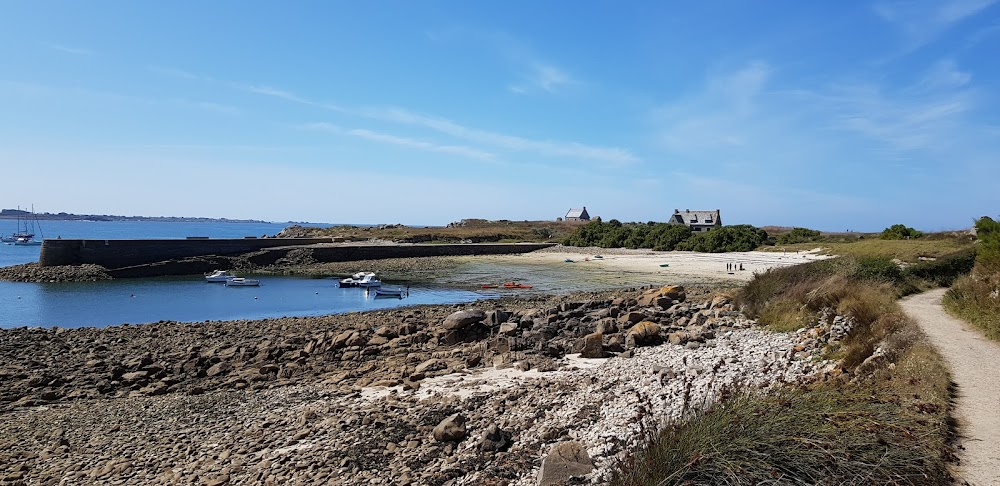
(698, 221)
(578, 214)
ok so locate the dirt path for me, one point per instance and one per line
(975, 366)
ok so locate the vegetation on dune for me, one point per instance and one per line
(883, 421)
(741, 237)
(798, 235)
(976, 297)
(615, 234)
(935, 245)
(665, 237)
(467, 230)
(899, 232)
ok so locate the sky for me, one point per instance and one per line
(828, 115)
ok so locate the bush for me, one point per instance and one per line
(878, 270)
(945, 270)
(797, 235)
(615, 234)
(988, 257)
(741, 237)
(899, 232)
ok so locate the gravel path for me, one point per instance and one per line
(975, 366)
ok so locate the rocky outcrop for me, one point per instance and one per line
(362, 397)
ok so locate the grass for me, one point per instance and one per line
(909, 251)
(885, 420)
(975, 299)
(477, 231)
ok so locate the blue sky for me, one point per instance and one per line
(830, 115)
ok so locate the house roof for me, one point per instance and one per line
(695, 217)
(577, 213)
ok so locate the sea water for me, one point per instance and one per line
(187, 298)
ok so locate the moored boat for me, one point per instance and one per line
(380, 292)
(357, 279)
(219, 276)
(242, 282)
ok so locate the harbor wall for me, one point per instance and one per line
(148, 258)
(125, 253)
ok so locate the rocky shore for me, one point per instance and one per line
(33, 272)
(514, 391)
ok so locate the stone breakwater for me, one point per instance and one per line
(424, 395)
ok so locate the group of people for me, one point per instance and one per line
(732, 267)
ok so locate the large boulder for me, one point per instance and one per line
(631, 317)
(593, 346)
(565, 461)
(464, 318)
(663, 297)
(451, 429)
(495, 439)
(645, 332)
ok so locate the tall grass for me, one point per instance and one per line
(883, 421)
(977, 300)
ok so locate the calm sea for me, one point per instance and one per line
(186, 299)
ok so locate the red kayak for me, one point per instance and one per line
(515, 285)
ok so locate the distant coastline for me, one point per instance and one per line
(15, 213)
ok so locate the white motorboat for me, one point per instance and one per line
(242, 282)
(369, 281)
(361, 279)
(219, 276)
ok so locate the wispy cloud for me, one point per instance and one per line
(739, 123)
(543, 77)
(76, 51)
(923, 21)
(401, 141)
(616, 156)
(613, 155)
(177, 73)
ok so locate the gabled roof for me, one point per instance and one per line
(577, 213)
(695, 217)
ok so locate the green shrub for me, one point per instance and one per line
(988, 257)
(878, 270)
(615, 234)
(899, 232)
(797, 235)
(741, 237)
(945, 270)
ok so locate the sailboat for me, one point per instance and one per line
(25, 234)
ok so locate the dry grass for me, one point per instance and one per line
(904, 250)
(890, 429)
(885, 421)
(977, 300)
(477, 231)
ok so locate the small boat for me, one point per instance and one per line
(568, 260)
(242, 282)
(218, 276)
(489, 286)
(598, 257)
(27, 223)
(369, 280)
(380, 292)
(515, 285)
(664, 264)
(27, 241)
(358, 279)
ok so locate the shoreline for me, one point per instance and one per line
(340, 398)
